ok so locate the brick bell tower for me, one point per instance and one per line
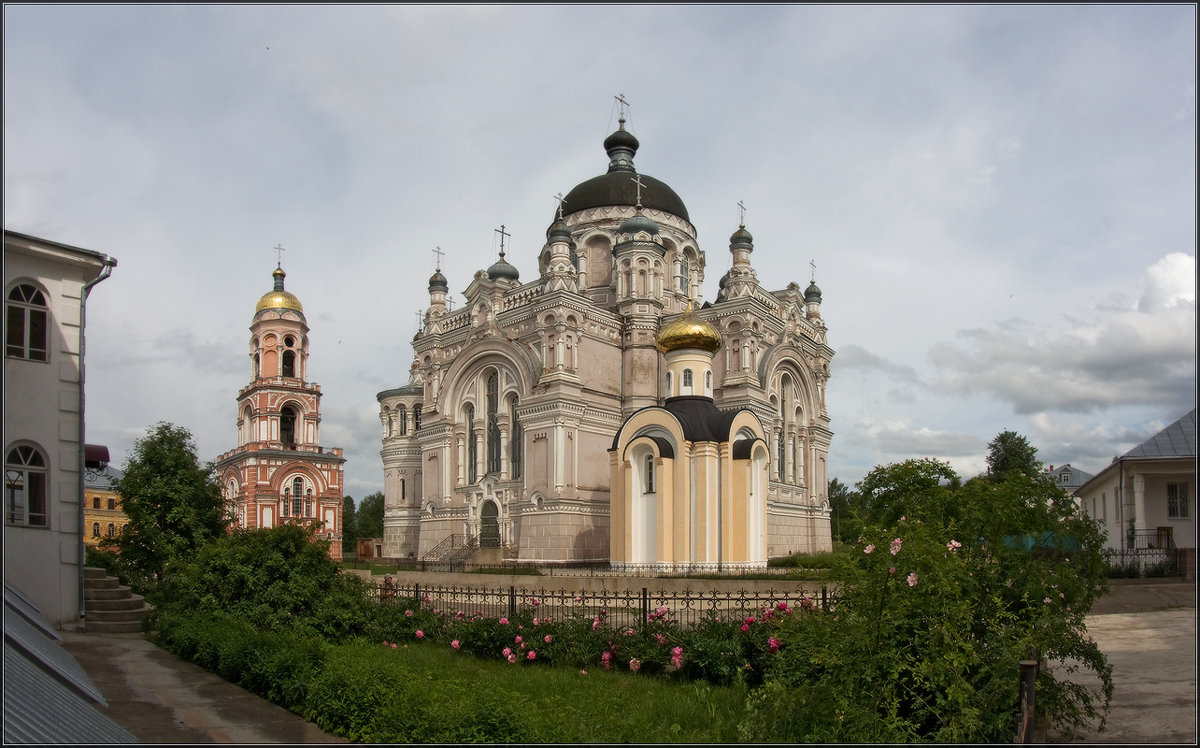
(279, 473)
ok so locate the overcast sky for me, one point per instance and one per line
(1000, 200)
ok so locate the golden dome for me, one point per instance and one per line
(689, 331)
(278, 298)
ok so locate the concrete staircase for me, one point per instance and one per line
(110, 607)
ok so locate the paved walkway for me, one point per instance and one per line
(161, 698)
(1147, 630)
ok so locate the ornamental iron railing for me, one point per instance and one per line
(613, 608)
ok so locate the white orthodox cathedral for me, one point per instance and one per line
(598, 412)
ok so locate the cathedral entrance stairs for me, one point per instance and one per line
(452, 554)
(110, 607)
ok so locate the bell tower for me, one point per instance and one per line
(279, 472)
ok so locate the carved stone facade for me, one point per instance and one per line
(504, 430)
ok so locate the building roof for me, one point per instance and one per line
(1176, 440)
(48, 698)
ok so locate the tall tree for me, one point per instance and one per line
(173, 502)
(839, 506)
(1009, 452)
(889, 492)
(369, 517)
(349, 527)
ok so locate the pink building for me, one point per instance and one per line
(279, 472)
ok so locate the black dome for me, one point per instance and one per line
(617, 188)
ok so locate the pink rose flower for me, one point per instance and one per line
(454, 644)
(895, 546)
(912, 579)
(869, 548)
(531, 655)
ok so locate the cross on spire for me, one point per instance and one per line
(420, 318)
(741, 214)
(437, 251)
(637, 179)
(279, 250)
(622, 104)
(559, 198)
(813, 265)
(502, 234)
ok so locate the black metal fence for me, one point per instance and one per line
(619, 609)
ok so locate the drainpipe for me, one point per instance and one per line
(105, 272)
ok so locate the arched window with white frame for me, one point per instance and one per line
(26, 324)
(26, 487)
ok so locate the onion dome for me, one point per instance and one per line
(638, 222)
(812, 293)
(616, 187)
(721, 284)
(741, 239)
(689, 331)
(502, 270)
(437, 282)
(558, 231)
(278, 298)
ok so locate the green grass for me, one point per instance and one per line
(424, 693)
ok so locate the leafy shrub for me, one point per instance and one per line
(274, 579)
(933, 615)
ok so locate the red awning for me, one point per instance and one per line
(95, 455)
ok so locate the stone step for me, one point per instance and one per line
(94, 572)
(126, 603)
(113, 627)
(97, 583)
(116, 616)
(121, 592)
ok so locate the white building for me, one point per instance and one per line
(46, 287)
(504, 432)
(1147, 497)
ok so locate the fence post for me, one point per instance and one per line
(417, 593)
(824, 599)
(1029, 671)
(645, 607)
(512, 601)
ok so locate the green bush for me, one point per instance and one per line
(934, 613)
(278, 578)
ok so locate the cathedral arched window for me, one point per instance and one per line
(471, 449)
(287, 426)
(685, 272)
(708, 383)
(686, 382)
(112, 530)
(257, 365)
(649, 473)
(95, 529)
(297, 496)
(289, 363)
(402, 419)
(493, 424)
(25, 324)
(416, 418)
(514, 441)
(308, 503)
(669, 393)
(402, 489)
